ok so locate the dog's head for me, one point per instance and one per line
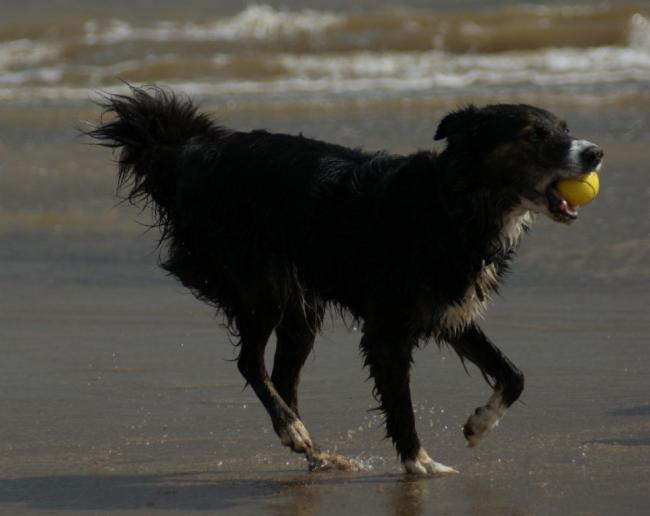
(518, 152)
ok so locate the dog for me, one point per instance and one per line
(273, 230)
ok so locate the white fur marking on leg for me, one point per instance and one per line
(296, 437)
(425, 465)
(485, 419)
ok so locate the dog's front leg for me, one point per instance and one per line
(507, 380)
(389, 361)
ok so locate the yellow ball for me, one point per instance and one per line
(580, 190)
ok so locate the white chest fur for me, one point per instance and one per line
(458, 315)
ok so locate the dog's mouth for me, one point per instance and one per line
(559, 207)
(549, 201)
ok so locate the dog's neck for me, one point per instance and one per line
(514, 224)
(489, 228)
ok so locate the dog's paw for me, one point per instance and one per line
(325, 461)
(481, 423)
(425, 465)
(296, 437)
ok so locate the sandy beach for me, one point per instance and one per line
(118, 390)
(119, 393)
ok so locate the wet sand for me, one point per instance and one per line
(117, 397)
(119, 394)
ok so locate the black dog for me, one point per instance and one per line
(272, 229)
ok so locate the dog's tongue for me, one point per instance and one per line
(563, 205)
(566, 208)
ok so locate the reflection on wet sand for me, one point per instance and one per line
(484, 498)
(406, 496)
(303, 498)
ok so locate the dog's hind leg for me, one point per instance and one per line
(295, 339)
(507, 380)
(255, 332)
(389, 359)
(296, 334)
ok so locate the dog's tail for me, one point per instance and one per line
(155, 132)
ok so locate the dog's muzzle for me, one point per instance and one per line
(584, 157)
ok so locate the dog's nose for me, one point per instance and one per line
(592, 156)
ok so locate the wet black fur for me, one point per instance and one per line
(273, 229)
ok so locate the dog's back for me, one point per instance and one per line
(255, 214)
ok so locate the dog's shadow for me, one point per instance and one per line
(299, 494)
(184, 491)
(292, 495)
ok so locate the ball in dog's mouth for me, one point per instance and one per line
(565, 195)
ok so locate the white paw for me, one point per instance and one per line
(425, 465)
(484, 420)
(296, 437)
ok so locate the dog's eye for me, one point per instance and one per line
(565, 128)
(537, 134)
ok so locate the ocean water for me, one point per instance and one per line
(315, 52)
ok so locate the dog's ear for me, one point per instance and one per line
(458, 122)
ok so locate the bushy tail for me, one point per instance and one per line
(151, 128)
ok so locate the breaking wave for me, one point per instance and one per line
(266, 51)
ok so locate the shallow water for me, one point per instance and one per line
(122, 397)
